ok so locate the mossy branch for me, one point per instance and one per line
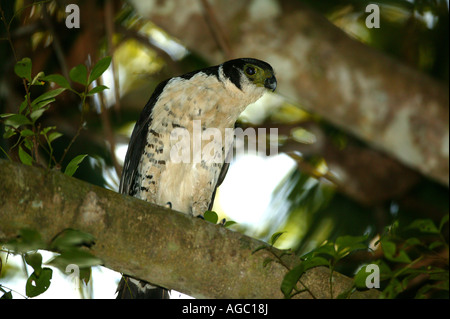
(147, 241)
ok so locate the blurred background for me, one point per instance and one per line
(327, 180)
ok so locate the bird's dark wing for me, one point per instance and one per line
(222, 175)
(139, 135)
(130, 287)
(137, 143)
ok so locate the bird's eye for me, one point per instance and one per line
(250, 70)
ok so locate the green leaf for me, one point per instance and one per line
(435, 244)
(393, 289)
(27, 240)
(290, 280)
(275, 237)
(79, 257)
(347, 244)
(389, 249)
(444, 220)
(71, 238)
(46, 96)
(6, 115)
(79, 74)
(99, 68)
(423, 291)
(17, 120)
(9, 132)
(36, 285)
(23, 105)
(350, 241)
(407, 279)
(97, 89)
(303, 136)
(28, 143)
(37, 78)
(211, 216)
(413, 241)
(85, 274)
(424, 226)
(42, 104)
(361, 277)
(58, 79)
(23, 69)
(259, 248)
(267, 261)
(35, 115)
(26, 132)
(316, 261)
(385, 270)
(293, 276)
(6, 295)
(53, 136)
(426, 289)
(24, 157)
(35, 261)
(47, 129)
(328, 248)
(229, 223)
(73, 165)
(439, 275)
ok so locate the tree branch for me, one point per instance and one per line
(147, 241)
(392, 107)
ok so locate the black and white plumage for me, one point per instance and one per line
(215, 96)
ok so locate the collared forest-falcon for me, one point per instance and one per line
(214, 97)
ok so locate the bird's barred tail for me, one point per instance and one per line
(132, 288)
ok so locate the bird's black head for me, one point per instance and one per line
(255, 71)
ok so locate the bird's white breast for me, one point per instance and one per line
(216, 104)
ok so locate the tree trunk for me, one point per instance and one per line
(392, 107)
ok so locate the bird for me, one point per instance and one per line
(212, 97)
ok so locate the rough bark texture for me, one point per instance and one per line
(164, 247)
(392, 107)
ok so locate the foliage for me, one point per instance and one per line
(328, 254)
(212, 217)
(412, 259)
(70, 245)
(30, 139)
(415, 261)
(415, 32)
(24, 126)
